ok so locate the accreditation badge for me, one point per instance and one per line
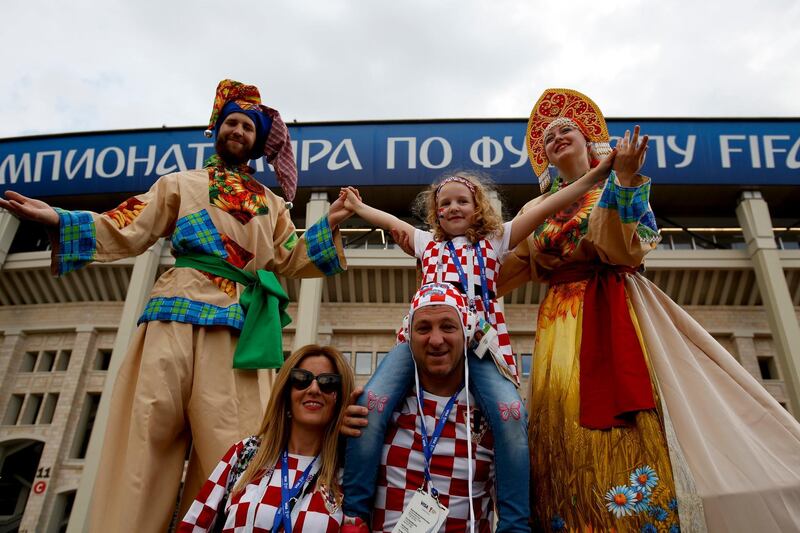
(424, 514)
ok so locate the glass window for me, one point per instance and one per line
(766, 366)
(62, 363)
(381, 355)
(28, 361)
(49, 409)
(527, 359)
(31, 410)
(103, 359)
(13, 409)
(46, 360)
(85, 425)
(363, 363)
(347, 357)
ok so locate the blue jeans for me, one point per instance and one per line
(391, 382)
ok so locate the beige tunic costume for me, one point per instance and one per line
(177, 385)
(718, 452)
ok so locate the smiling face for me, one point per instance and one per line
(455, 208)
(437, 342)
(236, 138)
(563, 142)
(312, 408)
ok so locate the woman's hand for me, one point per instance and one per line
(29, 208)
(355, 416)
(630, 157)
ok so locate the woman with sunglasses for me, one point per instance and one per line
(285, 477)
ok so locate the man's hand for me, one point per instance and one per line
(29, 209)
(355, 416)
(338, 213)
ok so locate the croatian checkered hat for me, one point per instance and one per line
(439, 294)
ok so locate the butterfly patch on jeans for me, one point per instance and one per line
(510, 410)
(376, 402)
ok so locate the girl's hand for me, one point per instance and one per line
(29, 209)
(338, 212)
(630, 156)
(352, 198)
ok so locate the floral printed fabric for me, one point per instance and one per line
(126, 212)
(235, 190)
(560, 233)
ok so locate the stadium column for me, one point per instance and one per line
(142, 279)
(753, 215)
(310, 298)
(8, 228)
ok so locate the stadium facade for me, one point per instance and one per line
(725, 195)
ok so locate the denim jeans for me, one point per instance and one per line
(497, 398)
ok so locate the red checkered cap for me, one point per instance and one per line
(439, 294)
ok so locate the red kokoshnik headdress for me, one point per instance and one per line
(555, 107)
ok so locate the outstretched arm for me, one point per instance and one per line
(29, 208)
(376, 217)
(523, 225)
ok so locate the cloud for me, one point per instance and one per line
(92, 65)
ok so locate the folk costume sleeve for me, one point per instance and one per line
(317, 253)
(622, 226)
(127, 230)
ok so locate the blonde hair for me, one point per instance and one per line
(486, 220)
(276, 426)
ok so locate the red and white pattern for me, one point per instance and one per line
(401, 471)
(433, 253)
(254, 508)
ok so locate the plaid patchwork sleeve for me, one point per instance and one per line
(77, 241)
(630, 202)
(321, 249)
(206, 506)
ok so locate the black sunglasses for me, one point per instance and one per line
(301, 379)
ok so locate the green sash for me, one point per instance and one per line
(264, 303)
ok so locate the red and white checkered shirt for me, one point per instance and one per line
(254, 508)
(432, 253)
(401, 471)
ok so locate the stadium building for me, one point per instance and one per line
(725, 195)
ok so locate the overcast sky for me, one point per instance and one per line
(87, 65)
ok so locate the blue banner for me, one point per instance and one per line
(746, 152)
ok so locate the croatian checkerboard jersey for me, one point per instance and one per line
(401, 470)
(254, 508)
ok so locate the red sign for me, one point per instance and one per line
(39, 487)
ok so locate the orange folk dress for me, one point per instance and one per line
(717, 452)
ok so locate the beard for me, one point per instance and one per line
(233, 156)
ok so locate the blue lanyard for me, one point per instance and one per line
(429, 445)
(283, 516)
(462, 276)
